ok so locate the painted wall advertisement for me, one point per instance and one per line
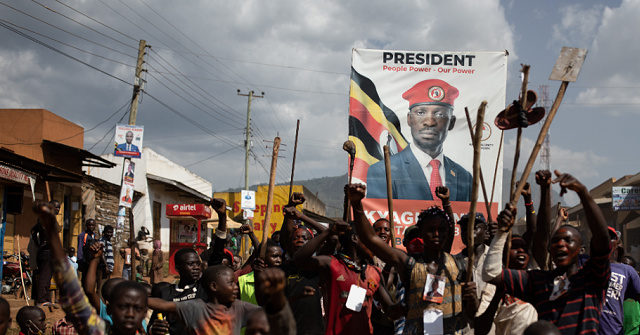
(414, 101)
(625, 198)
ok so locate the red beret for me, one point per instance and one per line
(431, 92)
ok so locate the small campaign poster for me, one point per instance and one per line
(248, 200)
(129, 171)
(128, 141)
(126, 195)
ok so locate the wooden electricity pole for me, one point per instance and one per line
(133, 114)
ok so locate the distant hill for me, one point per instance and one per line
(330, 191)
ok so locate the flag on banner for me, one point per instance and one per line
(372, 125)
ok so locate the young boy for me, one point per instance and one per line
(31, 320)
(127, 307)
(246, 283)
(223, 313)
(5, 316)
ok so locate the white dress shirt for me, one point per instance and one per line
(424, 160)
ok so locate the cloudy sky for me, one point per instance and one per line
(298, 53)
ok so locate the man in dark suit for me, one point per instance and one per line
(128, 146)
(417, 170)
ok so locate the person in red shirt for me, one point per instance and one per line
(341, 272)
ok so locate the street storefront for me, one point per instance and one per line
(187, 229)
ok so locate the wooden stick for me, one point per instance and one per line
(495, 171)
(349, 147)
(387, 168)
(24, 289)
(474, 190)
(132, 241)
(293, 164)
(516, 157)
(540, 140)
(272, 181)
(484, 188)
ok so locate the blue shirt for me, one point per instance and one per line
(624, 283)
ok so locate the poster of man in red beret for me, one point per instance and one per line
(414, 101)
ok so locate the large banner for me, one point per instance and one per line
(414, 101)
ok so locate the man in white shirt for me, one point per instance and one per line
(422, 166)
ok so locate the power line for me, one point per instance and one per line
(94, 20)
(62, 52)
(195, 84)
(189, 120)
(67, 44)
(111, 129)
(84, 25)
(213, 156)
(66, 31)
(187, 100)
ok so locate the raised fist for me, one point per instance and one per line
(296, 199)
(507, 218)
(543, 177)
(442, 192)
(356, 192)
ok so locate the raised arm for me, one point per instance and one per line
(162, 306)
(593, 214)
(531, 216)
(74, 302)
(90, 282)
(543, 231)
(368, 237)
(220, 236)
(492, 270)
(290, 215)
(442, 192)
(304, 258)
(270, 285)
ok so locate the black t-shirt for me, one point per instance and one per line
(175, 294)
(307, 309)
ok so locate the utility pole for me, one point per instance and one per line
(133, 114)
(247, 148)
(247, 142)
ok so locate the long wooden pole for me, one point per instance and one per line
(495, 170)
(474, 190)
(293, 164)
(272, 181)
(516, 157)
(387, 169)
(484, 188)
(543, 133)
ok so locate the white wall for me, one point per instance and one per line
(155, 164)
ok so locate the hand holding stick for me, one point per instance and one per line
(350, 148)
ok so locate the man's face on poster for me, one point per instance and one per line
(429, 126)
(129, 137)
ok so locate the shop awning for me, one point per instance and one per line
(179, 186)
(213, 222)
(45, 171)
(88, 159)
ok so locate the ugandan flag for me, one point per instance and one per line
(371, 125)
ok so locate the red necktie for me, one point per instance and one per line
(435, 177)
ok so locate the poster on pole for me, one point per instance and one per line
(128, 141)
(248, 199)
(625, 198)
(129, 171)
(126, 195)
(414, 102)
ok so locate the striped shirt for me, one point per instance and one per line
(108, 254)
(576, 311)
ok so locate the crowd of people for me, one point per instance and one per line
(349, 278)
